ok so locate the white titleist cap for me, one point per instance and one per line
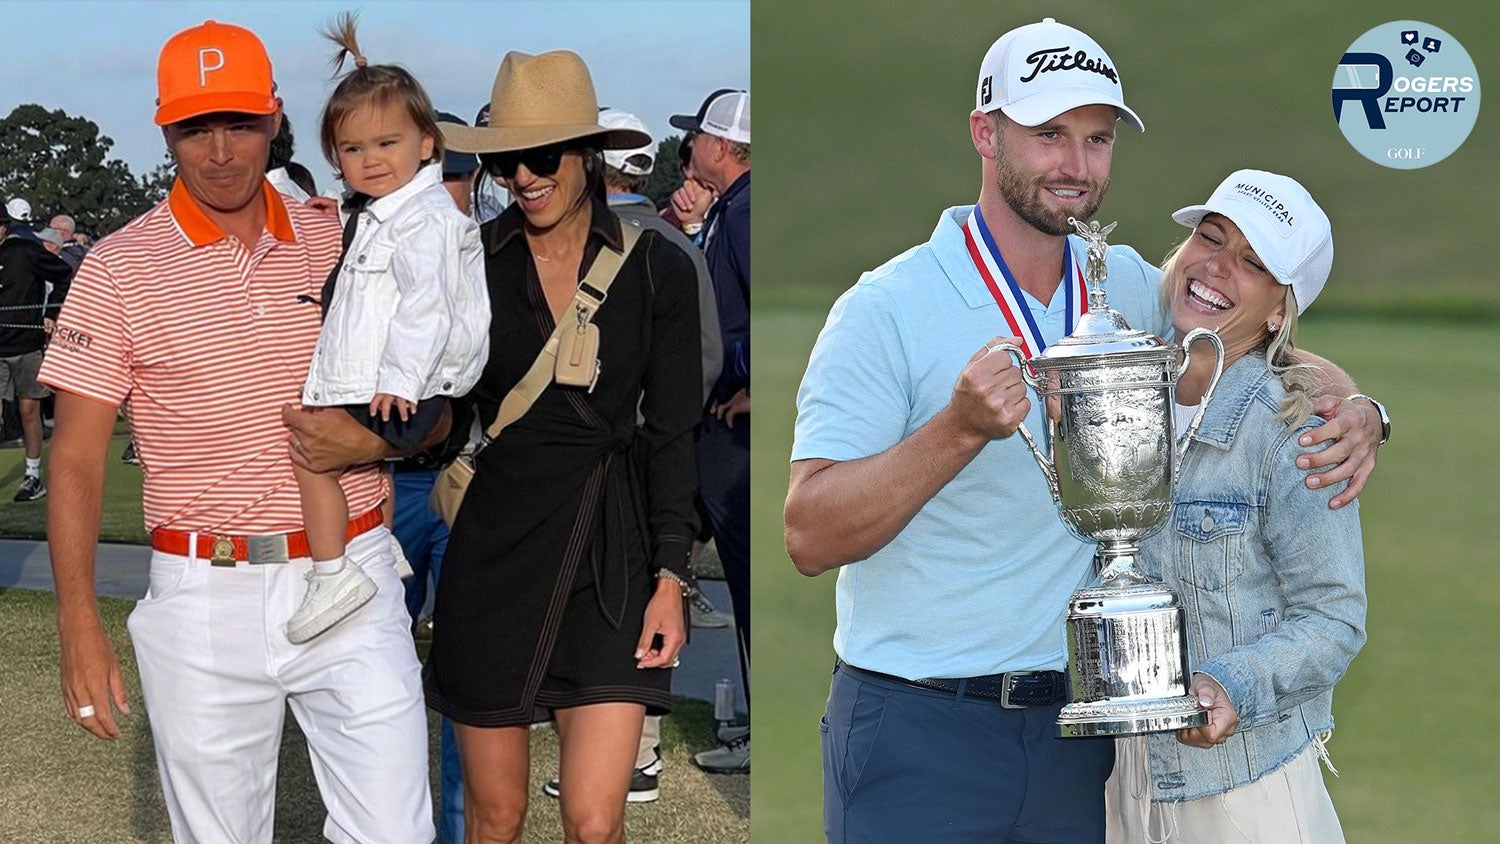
(1285, 227)
(632, 162)
(19, 209)
(1036, 72)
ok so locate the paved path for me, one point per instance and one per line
(120, 572)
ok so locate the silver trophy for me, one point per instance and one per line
(1112, 468)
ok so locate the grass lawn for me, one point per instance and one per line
(1406, 730)
(122, 497)
(59, 784)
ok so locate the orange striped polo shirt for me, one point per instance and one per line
(202, 342)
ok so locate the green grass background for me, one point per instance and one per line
(121, 520)
(59, 784)
(863, 141)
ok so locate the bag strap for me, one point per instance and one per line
(592, 291)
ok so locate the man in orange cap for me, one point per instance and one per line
(199, 318)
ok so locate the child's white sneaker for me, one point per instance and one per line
(330, 598)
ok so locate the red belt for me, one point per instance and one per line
(226, 549)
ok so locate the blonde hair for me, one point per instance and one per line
(378, 86)
(1301, 381)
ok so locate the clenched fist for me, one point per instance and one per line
(990, 398)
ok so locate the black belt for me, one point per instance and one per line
(1013, 689)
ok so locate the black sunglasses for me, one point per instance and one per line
(541, 161)
(685, 149)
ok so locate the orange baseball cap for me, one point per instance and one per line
(213, 67)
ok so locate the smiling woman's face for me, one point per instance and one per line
(1225, 286)
(545, 200)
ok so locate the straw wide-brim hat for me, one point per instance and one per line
(538, 101)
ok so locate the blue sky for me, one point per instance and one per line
(98, 59)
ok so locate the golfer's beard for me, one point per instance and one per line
(1024, 196)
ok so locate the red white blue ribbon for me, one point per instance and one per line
(1002, 285)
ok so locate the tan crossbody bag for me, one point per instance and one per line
(578, 365)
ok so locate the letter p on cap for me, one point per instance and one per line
(204, 68)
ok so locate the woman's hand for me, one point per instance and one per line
(1222, 718)
(663, 618)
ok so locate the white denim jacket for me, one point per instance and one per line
(410, 314)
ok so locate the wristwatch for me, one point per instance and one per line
(1385, 418)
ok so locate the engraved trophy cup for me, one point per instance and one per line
(1111, 463)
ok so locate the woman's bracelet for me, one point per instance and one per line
(668, 574)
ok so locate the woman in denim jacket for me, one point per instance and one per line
(1272, 579)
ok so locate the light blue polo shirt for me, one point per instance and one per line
(978, 582)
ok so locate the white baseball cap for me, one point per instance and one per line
(1285, 227)
(725, 114)
(1036, 72)
(628, 161)
(19, 209)
(51, 235)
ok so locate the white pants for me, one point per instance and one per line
(218, 673)
(1290, 805)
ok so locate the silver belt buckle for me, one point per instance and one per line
(270, 548)
(1007, 684)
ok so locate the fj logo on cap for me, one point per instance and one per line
(204, 68)
(1405, 94)
(987, 90)
(1058, 58)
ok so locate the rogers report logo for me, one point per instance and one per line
(1406, 94)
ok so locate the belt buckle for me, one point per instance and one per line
(270, 548)
(222, 552)
(1008, 684)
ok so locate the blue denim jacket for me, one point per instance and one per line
(1272, 582)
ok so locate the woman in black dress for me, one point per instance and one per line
(561, 592)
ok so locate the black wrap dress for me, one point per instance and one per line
(576, 505)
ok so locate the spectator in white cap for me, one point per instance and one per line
(1260, 251)
(19, 210)
(954, 568)
(691, 201)
(626, 172)
(720, 151)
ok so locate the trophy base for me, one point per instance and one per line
(1123, 718)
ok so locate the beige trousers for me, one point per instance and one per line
(1287, 806)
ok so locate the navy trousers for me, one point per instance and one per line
(424, 539)
(724, 486)
(902, 764)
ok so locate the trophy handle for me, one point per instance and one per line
(1048, 469)
(1212, 337)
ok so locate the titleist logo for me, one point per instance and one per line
(1058, 58)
